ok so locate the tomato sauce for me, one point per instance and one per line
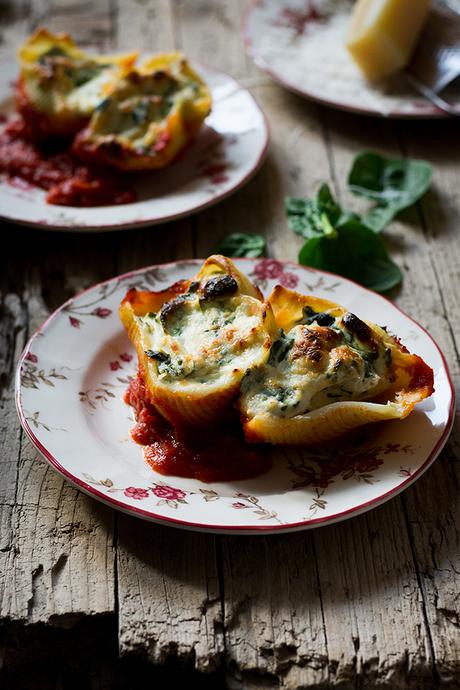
(54, 168)
(217, 454)
(422, 375)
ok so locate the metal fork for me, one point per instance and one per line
(436, 61)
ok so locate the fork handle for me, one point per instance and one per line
(453, 111)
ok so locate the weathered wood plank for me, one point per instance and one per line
(57, 533)
(273, 619)
(210, 31)
(144, 26)
(373, 615)
(58, 543)
(433, 507)
(61, 562)
(169, 600)
(13, 327)
(89, 23)
(15, 24)
(361, 604)
(168, 595)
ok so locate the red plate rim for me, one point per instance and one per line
(228, 529)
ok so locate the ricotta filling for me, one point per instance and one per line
(200, 341)
(88, 96)
(313, 366)
(60, 83)
(135, 112)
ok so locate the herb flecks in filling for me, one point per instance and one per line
(321, 360)
(280, 349)
(205, 335)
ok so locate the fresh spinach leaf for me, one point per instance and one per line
(242, 244)
(343, 242)
(355, 252)
(313, 217)
(395, 184)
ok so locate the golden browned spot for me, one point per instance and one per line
(314, 342)
(344, 355)
(319, 338)
(239, 344)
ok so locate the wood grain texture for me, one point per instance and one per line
(370, 603)
(433, 507)
(169, 600)
(167, 589)
(274, 625)
(57, 558)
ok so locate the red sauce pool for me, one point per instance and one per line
(218, 454)
(54, 168)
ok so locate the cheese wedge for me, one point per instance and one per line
(383, 34)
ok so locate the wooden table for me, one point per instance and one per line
(372, 602)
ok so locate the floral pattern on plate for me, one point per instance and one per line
(70, 385)
(228, 150)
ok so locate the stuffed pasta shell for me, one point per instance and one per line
(60, 85)
(328, 372)
(148, 117)
(197, 340)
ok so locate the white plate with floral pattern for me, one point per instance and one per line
(227, 152)
(75, 369)
(301, 44)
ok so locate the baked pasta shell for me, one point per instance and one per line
(193, 403)
(217, 263)
(157, 143)
(329, 422)
(411, 381)
(288, 306)
(410, 371)
(43, 105)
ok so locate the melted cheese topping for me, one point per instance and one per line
(313, 366)
(194, 341)
(138, 109)
(58, 83)
(88, 96)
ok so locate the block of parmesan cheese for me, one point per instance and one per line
(383, 34)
